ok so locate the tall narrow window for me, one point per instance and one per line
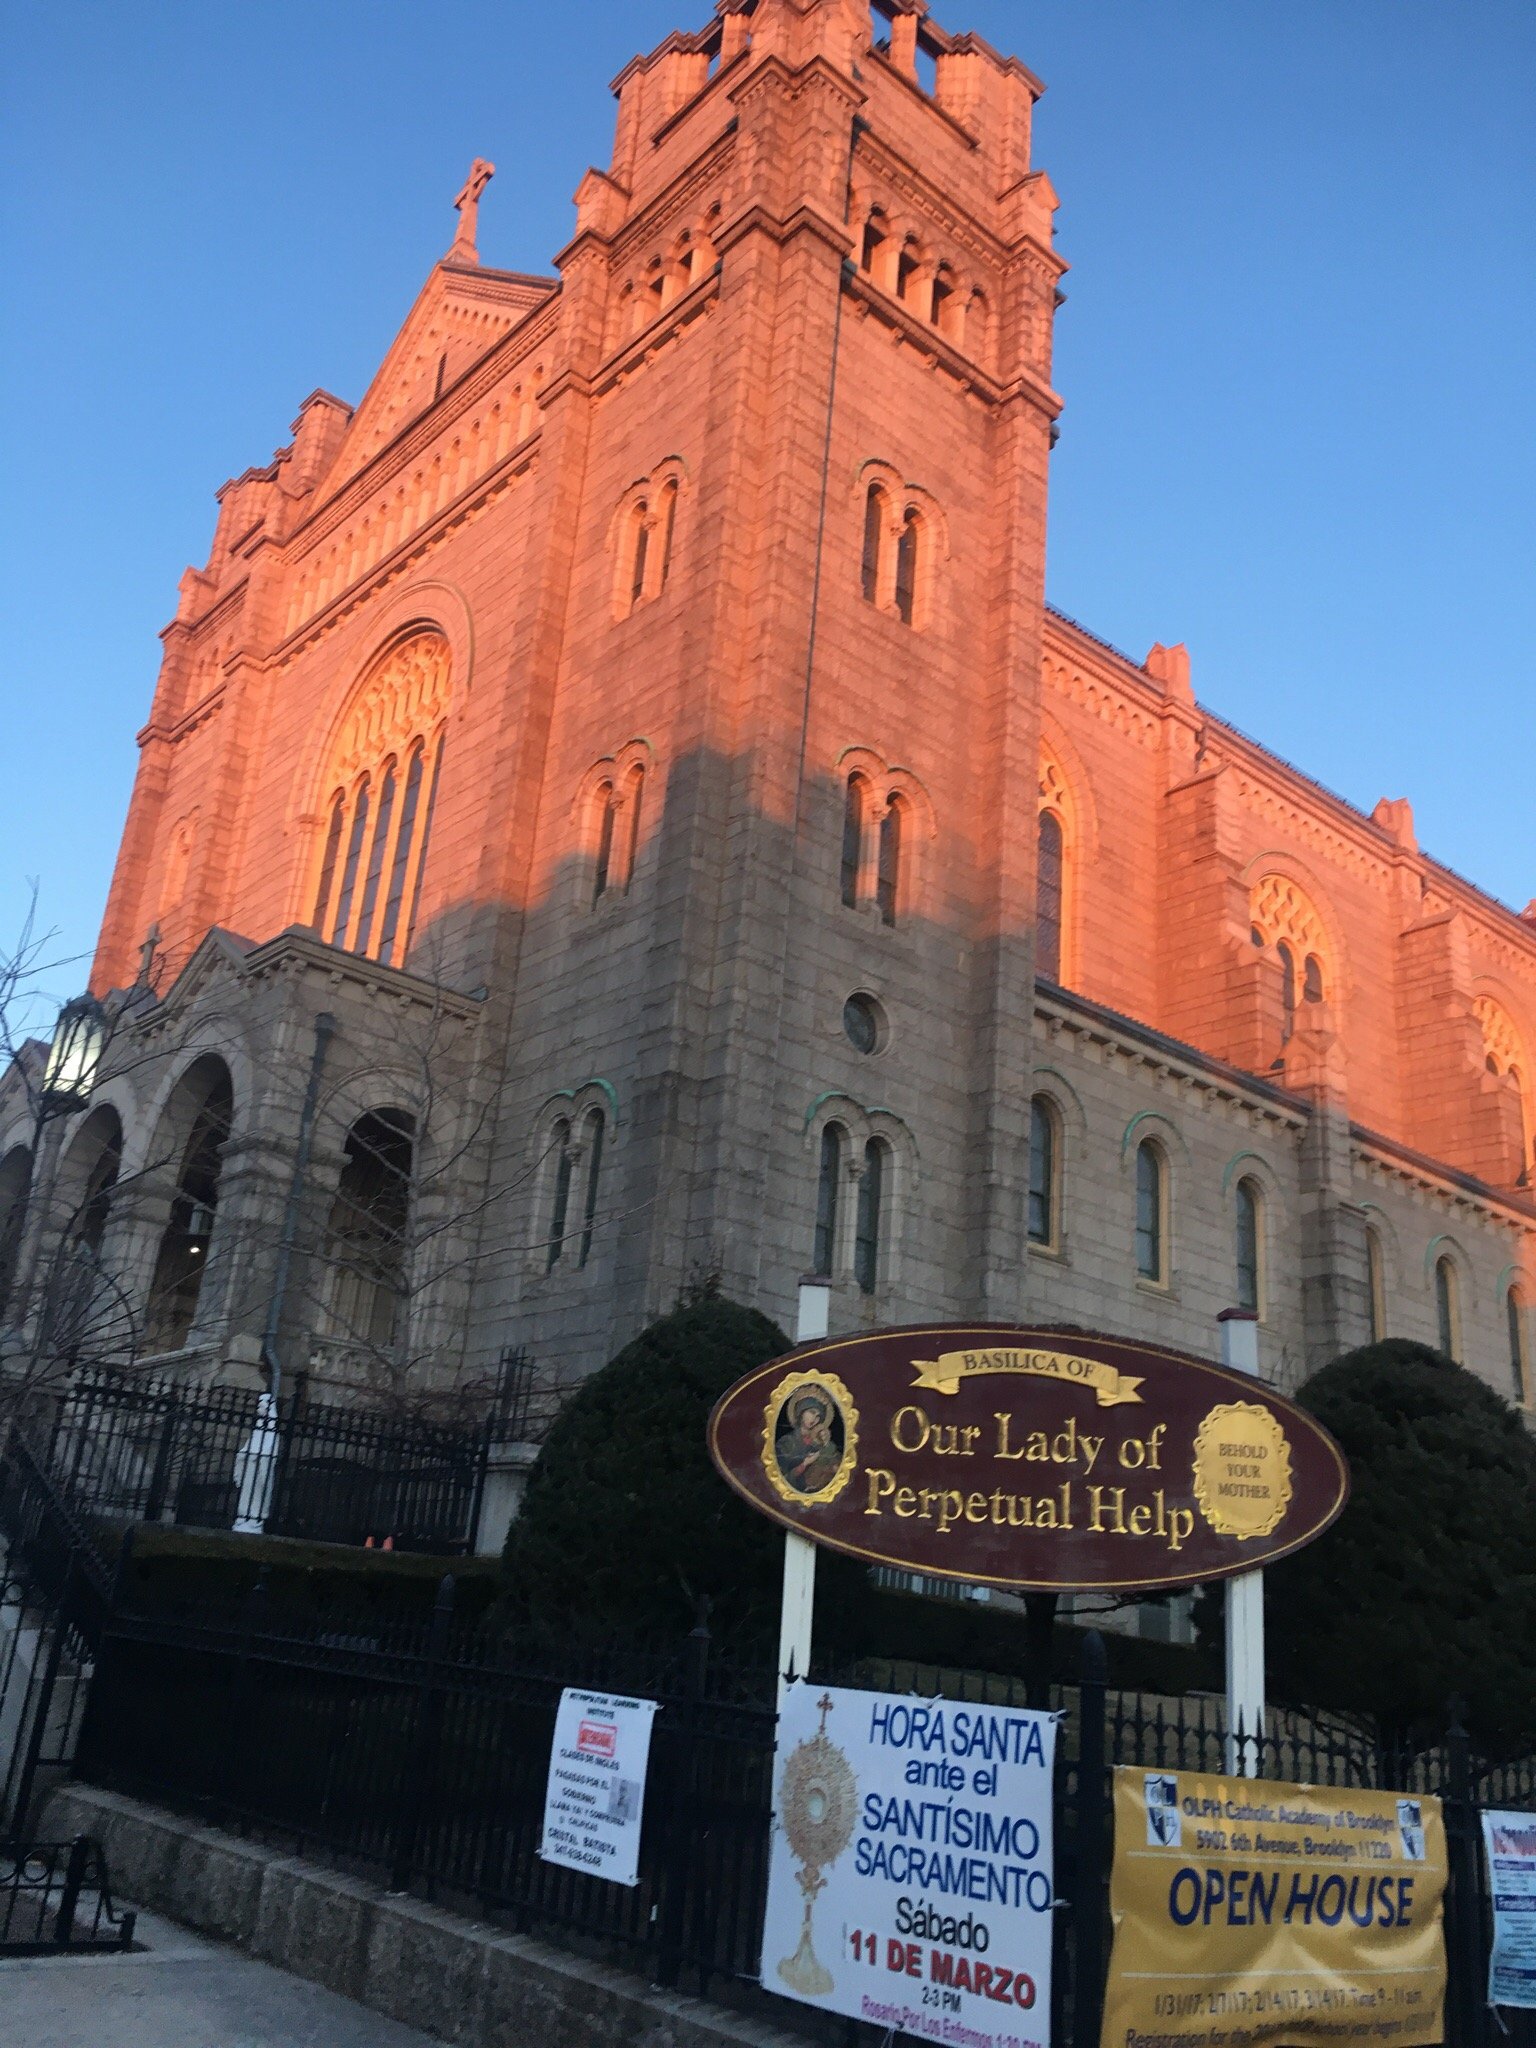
(1376, 1278)
(604, 857)
(15, 1188)
(866, 1243)
(593, 1133)
(874, 539)
(1149, 1211)
(1287, 990)
(641, 541)
(906, 567)
(634, 790)
(366, 1241)
(402, 861)
(376, 860)
(853, 837)
(182, 1259)
(830, 1174)
(668, 524)
(888, 865)
(906, 274)
(1518, 1365)
(426, 841)
(559, 1208)
(96, 1205)
(1042, 1172)
(1448, 1308)
(328, 863)
(873, 243)
(386, 759)
(1250, 1211)
(349, 872)
(1312, 979)
(1049, 891)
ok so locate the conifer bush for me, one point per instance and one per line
(1425, 1588)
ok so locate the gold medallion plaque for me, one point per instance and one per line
(810, 1437)
(1242, 1470)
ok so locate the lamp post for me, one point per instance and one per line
(69, 1075)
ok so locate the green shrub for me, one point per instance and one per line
(1426, 1585)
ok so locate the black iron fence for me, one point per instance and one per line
(124, 1448)
(421, 1753)
(55, 1899)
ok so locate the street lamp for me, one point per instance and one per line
(78, 1040)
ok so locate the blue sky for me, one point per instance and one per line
(1297, 353)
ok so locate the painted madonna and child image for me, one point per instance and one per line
(811, 1424)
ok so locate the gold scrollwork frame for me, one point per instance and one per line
(790, 1384)
(1222, 1417)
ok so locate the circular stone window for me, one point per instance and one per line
(864, 1023)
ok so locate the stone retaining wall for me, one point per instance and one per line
(416, 1963)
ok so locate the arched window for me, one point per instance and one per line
(1050, 879)
(1448, 1306)
(1250, 1246)
(668, 524)
(874, 542)
(872, 244)
(389, 757)
(888, 864)
(1312, 980)
(907, 547)
(634, 790)
(15, 1187)
(1287, 990)
(640, 541)
(606, 809)
(946, 304)
(854, 800)
(1151, 1206)
(182, 1259)
(1043, 1219)
(871, 1207)
(89, 1222)
(1519, 1373)
(366, 1239)
(1376, 1279)
(833, 1140)
(560, 1201)
(907, 267)
(592, 1147)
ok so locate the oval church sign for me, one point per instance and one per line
(1040, 1459)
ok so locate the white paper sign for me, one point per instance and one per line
(910, 1880)
(596, 1790)
(1510, 1842)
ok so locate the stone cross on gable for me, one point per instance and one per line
(468, 204)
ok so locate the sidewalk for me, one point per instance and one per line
(181, 1992)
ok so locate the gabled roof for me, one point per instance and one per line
(460, 313)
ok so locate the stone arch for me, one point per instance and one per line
(1508, 1049)
(643, 534)
(193, 1129)
(864, 1127)
(1286, 900)
(569, 1141)
(887, 785)
(615, 797)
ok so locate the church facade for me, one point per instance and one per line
(617, 806)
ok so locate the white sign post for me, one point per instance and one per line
(798, 1601)
(910, 1875)
(1245, 1595)
(596, 1790)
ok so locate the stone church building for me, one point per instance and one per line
(618, 806)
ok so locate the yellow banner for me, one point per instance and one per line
(942, 1375)
(1249, 1912)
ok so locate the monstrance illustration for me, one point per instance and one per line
(818, 1800)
